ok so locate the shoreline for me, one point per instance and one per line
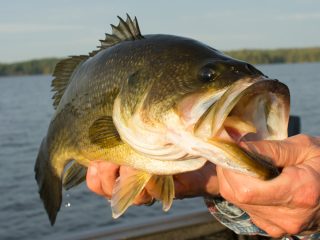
(45, 66)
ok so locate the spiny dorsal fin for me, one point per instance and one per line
(126, 30)
(62, 74)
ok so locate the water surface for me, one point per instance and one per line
(25, 112)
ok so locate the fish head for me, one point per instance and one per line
(212, 95)
(199, 102)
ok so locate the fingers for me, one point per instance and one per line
(188, 184)
(242, 189)
(143, 198)
(264, 209)
(277, 220)
(201, 182)
(280, 152)
(288, 152)
(93, 180)
(101, 177)
(269, 227)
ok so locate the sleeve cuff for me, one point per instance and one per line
(239, 221)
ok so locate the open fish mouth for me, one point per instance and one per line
(250, 109)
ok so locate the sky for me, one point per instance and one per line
(42, 28)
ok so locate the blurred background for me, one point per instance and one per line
(282, 38)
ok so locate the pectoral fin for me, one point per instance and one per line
(126, 189)
(104, 133)
(163, 186)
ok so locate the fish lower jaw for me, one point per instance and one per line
(219, 152)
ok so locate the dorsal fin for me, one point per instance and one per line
(62, 74)
(125, 31)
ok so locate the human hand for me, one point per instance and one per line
(102, 175)
(289, 203)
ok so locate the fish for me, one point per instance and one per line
(161, 104)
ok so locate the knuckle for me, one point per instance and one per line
(138, 202)
(142, 198)
(224, 192)
(304, 138)
(105, 167)
(91, 185)
(308, 197)
(106, 190)
(244, 195)
(307, 140)
(293, 225)
(294, 228)
(312, 201)
(274, 232)
(314, 140)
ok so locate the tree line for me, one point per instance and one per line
(32, 67)
(292, 55)
(254, 56)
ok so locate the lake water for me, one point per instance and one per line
(25, 112)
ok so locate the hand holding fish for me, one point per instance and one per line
(289, 203)
(102, 175)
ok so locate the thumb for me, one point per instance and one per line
(242, 189)
(283, 153)
(297, 150)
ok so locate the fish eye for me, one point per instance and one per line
(207, 74)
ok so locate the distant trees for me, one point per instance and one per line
(40, 66)
(292, 55)
(254, 56)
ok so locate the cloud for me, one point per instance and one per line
(31, 27)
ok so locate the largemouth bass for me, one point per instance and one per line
(161, 104)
